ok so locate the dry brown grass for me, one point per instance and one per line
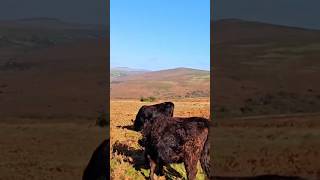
(287, 146)
(48, 150)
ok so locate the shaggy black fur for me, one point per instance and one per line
(147, 112)
(176, 140)
(99, 164)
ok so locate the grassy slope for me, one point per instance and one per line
(173, 83)
(263, 69)
(51, 72)
(268, 69)
(49, 97)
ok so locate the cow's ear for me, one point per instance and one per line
(169, 105)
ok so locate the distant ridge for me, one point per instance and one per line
(183, 69)
(262, 23)
(32, 33)
(48, 23)
(48, 19)
(128, 69)
(233, 30)
(118, 72)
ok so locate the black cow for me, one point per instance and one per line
(147, 112)
(176, 140)
(98, 167)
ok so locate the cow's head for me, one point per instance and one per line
(146, 113)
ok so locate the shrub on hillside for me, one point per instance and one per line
(148, 99)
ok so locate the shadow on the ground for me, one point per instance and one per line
(136, 155)
(261, 177)
(172, 173)
(138, 160)
(130, 127)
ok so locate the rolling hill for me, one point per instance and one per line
(51, 69)
(164, 84)
(23, 35)
(263, 68)
(52, 89)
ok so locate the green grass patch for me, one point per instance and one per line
(148, 99)
(181, 170)
(120, 168)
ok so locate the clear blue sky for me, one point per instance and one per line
(160, 34)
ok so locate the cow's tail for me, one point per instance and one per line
(205, 159)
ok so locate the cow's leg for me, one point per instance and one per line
(146, 160)
(192, 156)
(160, 167)
(152, 167)
(191, 168)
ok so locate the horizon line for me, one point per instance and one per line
(266, 22)
(59, 19)
(170, 68)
